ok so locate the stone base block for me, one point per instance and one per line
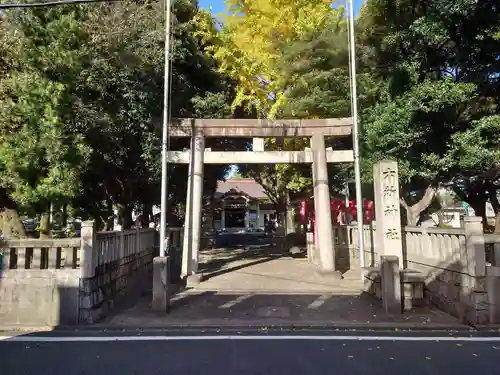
(296, 252)
(371, 281)
(193, 280)
(412, 286)
(333, 275)
(161, 298)
(390, 282)
(412, 295)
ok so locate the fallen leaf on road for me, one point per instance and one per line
(475, 355)
(391, 358)
(459, 345)
(350, 356)
(428, 358)
(496, 347)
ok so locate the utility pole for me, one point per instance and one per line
(164, 142)
(355, 134)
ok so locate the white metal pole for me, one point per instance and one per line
(164, 143)
(355, 135)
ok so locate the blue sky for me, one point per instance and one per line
(218, 5)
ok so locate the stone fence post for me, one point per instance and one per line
(493, 291)
(138, 243)
(473, 262)
(390, 280)
(161, 298)
(474, 253)
(88, 251)
(88, 264)
(310, 247)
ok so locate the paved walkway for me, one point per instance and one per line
(259, 287)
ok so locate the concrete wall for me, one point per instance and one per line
(71, 281)
(39, 282)
(39, 297)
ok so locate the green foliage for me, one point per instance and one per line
(477, 147)
(39, 159)
(439, 62)
(414, 128)
(40, 156)
(81, 103)
(81, 89)
(315, 73)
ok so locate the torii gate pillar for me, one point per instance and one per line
(324, 230)
(193, 218)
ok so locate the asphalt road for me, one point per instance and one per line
(227, 356)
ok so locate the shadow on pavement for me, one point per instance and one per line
(247, 309)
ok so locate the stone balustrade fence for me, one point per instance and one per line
(461, 266)
(51, 282)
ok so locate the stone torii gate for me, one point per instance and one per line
(317, 155)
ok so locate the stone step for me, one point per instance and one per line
(412, 286)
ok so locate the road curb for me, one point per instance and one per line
(372, 327)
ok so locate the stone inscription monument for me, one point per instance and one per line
(387, 209)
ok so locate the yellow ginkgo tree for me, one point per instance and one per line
(247, 42)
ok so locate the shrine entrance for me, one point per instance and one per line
(318, 155)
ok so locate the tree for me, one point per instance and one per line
(476, 151)
(440, 78)
(414, 129)
(93, 76)
(126, 89)
(253, 65)
(40, 157)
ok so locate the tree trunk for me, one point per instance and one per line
(109, 221)
(413, 212)
(64, 216)
(478, 204)
(280, 208)
(45, 225)
(11, 225)
(125, 216)
(496, 206)
(290, 217)
(146, 216)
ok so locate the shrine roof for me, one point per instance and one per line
(247, 186)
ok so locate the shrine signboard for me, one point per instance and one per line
(387, 208)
